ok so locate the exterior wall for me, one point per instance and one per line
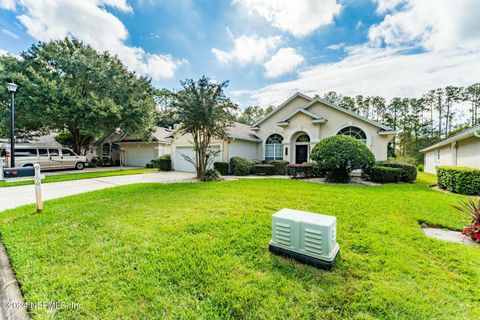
(468, 152)
(158, 149)
(301, 122)
(241, 148)
(446, 158)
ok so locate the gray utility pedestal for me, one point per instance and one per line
(306, 237)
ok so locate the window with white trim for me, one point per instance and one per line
(354, 132)
(274, 147)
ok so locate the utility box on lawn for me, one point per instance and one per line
(306, 237)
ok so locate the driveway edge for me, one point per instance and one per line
(11, 299)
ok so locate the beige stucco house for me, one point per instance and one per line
(462, 149)
(288, 133)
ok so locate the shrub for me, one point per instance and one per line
(420, 168)
(404, 159)
(340, 155)
(211, 175)
(280, 166)
(317, 170)
(472, 209)
(164, 163)
(241, 166)
(299, 171)
(385, 174)
(409, 171)
(264, 169)
(463, 180)
(221, 167)
(149, 165)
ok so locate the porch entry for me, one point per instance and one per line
(302, 145)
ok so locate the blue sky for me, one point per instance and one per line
(268, 49)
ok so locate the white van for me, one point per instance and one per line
(48, 157)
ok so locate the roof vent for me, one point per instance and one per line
(306, 237)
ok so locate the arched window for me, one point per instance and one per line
(355, 132)
(303, 138)
(274, 147)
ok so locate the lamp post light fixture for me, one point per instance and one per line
(12, 88)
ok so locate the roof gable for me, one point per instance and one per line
(311, 101)
(286, 102)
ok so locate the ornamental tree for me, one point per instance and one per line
(205, 114)
(340, 155)
(67, 86)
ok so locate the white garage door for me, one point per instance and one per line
(183, 165)
(138, 157)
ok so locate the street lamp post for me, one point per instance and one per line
(12, 87)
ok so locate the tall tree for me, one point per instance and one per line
(452, 95)
(472, 94)
(253, 114)
(166, 116)
(206, 113)
(67, 86)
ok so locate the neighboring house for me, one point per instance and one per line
(106, 149)
(287, 133)
(461, 149)
(138, 152)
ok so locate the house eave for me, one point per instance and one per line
(472, 132)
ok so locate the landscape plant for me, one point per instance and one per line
(205, 112)
(472, 209)
(264, 169)
(221, 167)
(340, 155)
(463, 180)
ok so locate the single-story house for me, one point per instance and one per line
(138, 152)
(461, 149)
(287, 133)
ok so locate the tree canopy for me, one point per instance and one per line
(205, 112)
(67, 86)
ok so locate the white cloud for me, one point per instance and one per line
(4, 52)
(284, 61)
(89, 21)
(247, 49)
(375, 71)
(7, 4)
(387, 5)
(420, 45)
(435, 26)
(10, 34)
(336, 46)
(297, 17)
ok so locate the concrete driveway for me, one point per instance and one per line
(11, 197)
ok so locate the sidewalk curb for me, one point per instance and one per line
(13, 306)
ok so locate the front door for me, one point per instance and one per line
(301, 154)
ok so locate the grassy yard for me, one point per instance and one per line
(200, 250)
(79, 176)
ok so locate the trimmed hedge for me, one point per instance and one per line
(264, 169)
(221, 167)
(164, 163)
(241, 166)
(280, 166)
(409, 171)
(300, 171)
(385, 174)
(463, 180)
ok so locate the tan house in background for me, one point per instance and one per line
(461, 149)
(287, 133)
(292, 130)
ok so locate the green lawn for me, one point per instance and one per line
(79, 176)
(200, 250)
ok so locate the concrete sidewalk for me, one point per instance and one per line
(12, 197)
